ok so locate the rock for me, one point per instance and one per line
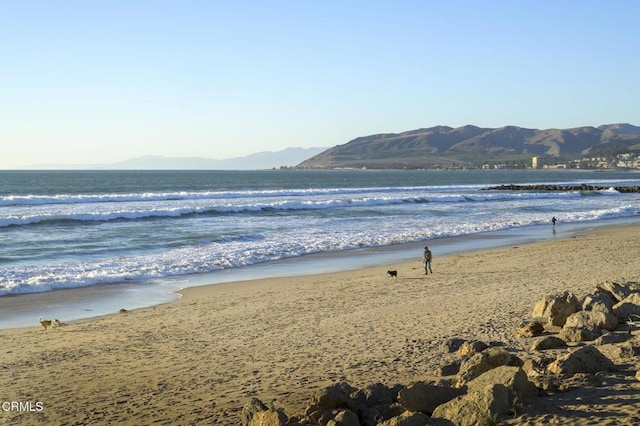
(611, 338)
(250, 409)
(580, 380)
(490, 358)
(537, 365)
(468, 348)
(551, 384)
(638, 375)
(592, 319)
(408, 419)
(269, 418)
(318, 416)
(483, 406)
(630, 305)
(372, 395)
(586, 359)
(334, 396)
(449, 369)
(547, 342)
(373, 416)
(513, 379)
(325, 402)
(617, 291)
(344, 418)
(530, 330)
(557, 308)
(627, 350)
(424, 397)
(451, 345)
(599, 302)
(579, 334)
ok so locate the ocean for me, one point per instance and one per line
(136, 230)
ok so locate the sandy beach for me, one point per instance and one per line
(200, 359)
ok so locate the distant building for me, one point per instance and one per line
(537, 162)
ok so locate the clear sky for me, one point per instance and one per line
(106, 80)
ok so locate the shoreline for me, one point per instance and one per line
(76, 304)
(200, 359)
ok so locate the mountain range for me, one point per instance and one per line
(444, 146)
(433, 147)
(259, 161)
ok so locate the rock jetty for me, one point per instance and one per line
(548, 187)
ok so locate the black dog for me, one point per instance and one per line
(393, 274)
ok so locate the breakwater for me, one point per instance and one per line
(548, 187)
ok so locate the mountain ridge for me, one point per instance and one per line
(444, 146)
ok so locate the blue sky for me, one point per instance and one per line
(103, 81)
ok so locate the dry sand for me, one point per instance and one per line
(200, 359)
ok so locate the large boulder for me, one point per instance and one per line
(425, 397)
(618, 292)
(599, 302)
(628, 306)
(484, 361)
(373, 395)
(586, 359)
(557, 308)
(337, 395)
(597, 319)
(483, 406)
(579, 334)
(513, 379)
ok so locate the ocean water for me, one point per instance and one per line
(70, 229)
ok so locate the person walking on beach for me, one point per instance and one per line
(426, 259)
(553, 222)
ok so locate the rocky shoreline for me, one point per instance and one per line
(577, 342)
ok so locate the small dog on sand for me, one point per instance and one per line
(392, 274)
(48, 323)
(45, 323)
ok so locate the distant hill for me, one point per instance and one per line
(259, 161)
(444, 146)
